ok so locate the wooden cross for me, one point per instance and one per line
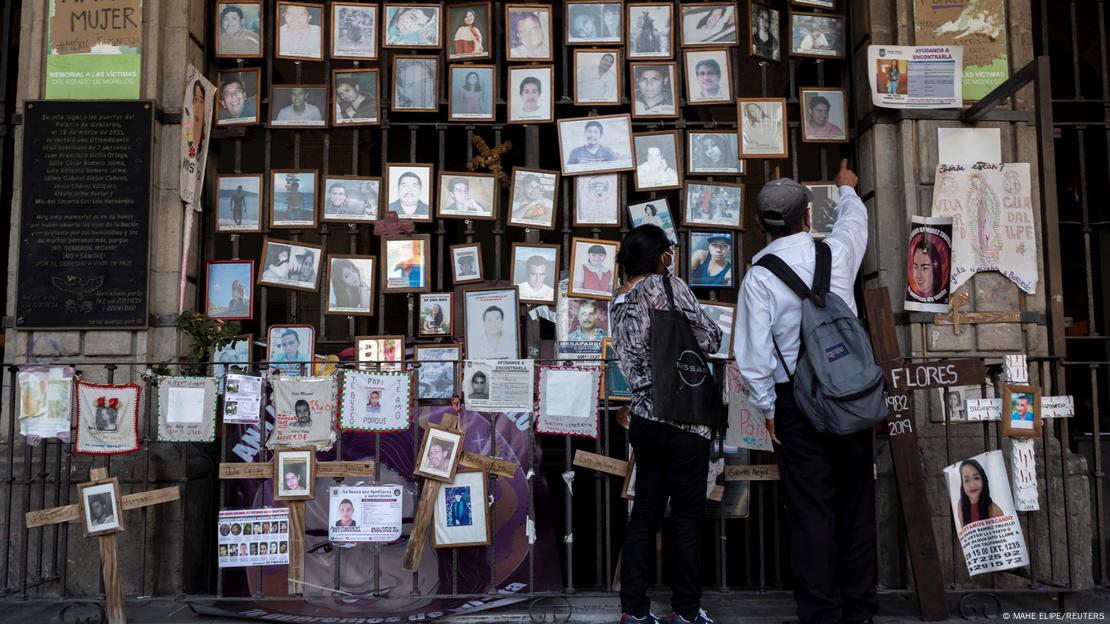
(296, 506)
(962, 300)
(109, 562)
(489, 159)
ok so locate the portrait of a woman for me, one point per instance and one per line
(468, 39)
(349, 289)
(975, 494)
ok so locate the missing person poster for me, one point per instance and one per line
(95, 50)
(44, 402)
(253, 537)
(977, 25)
(983, 510)
(929, 264)
(304, 412)
(365, 513)
(242, 399)
(916, 76)
(196, 123)
(376, 401)
(498, 385)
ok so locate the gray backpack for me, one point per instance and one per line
(837, 384)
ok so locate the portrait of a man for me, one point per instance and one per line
(300, 35)
(1022, 415)
(533, 273)
(374, 402)
(354, 31)
(239, 25)
(439, 451)
(823, 115)
(408, 191)
(708, 77)
(479, 386)
(415, 83)
(298, 106)
(238, 98)
(102, 514)
(290, 349)
(596, 77)
(491, 324)
(533, 198)
(653, 90)
(530, 94)
(596, 144)
(467, 196)
(586, 321)
(356, 97)
(294, 478)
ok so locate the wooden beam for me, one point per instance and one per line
(109, 571)
(345, 469)
(754, 472)
(296, 547)
(600, 463)
(499, 467)
(246, 471)
(71, 513)
(139, 500)
(423, 518)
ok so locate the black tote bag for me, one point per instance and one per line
(683, 388)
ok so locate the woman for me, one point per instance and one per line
(280, 268)
(975, 494)
(433, 323)
(468, 39)
(710, 26)
(470, 101)
(347, 288)
(672, 458)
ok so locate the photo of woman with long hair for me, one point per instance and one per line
(975, 494)
(349, 285)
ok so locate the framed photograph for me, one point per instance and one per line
(293, 198)
(658, 160)
(1021, 411)
(656, 212)
(528, 32)
(298, 106)
(296, 474)
(593, 265)
(405, 263)
(595, 144)
(711, 260)
(415, 83)
(439, 453)
(413, 25)
(714, 204)
(651, 30)
(762, 127)
(289, 349)
(379, 352)
(409, 190)
(534, 271)
(822, 210)
(239, 29)
(533, 193)
(299, 34)
(229, 294)
(597, 77)
(101, 507)
(351, 199)
(492, 328)
(470, 31)
(713, 152)
(356, 97)
(354, 31)
(237, 99)
(473, 92)
(593, 22)
(708, 23)
(234, 357)
(437, 314)
(819, 4)
(614, 385)
(654, 91)
(461, 515)
(766, 25)
(581, 326)
(467, 195)
(628, 488)
(351, 285)
(817, 35)
(239, 203)
(824, 115)
(708, 76)
(466, 263)
(437, 376)
(290, 264)
(596, 200)
(531, 94)
(722, 314)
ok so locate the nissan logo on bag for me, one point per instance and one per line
(692, 369)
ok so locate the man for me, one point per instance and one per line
(817, 121)
(346, 514)
(599, 86)
(298, 36)
(290, 359)
(238, 204)
(595, 201)
(374, 406)
(713, 267)
(461, 202)
(234, 37)
(415, 84)
(827, 480)
(466, 266)
(593, 151)
(293, 480)
(588, 328)
(493, 344)
(653, 91)
(300, 110)
(595, 276)
(655, 172)
(408, 204)
(234, 103)
(708, 73)
(304, 414)
(460, 512)
(531, 88)
(478, 386)
(339, 203)
(101, 507)
(535, 206)
(439, 455)
(535, 287)
(351, 104)
(1022, 417)
(529, 38)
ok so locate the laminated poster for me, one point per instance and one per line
(983, 511)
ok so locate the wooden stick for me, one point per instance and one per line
(296, 547)
(109, 570)
(415, 547)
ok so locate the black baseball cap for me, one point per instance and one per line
(782, 202)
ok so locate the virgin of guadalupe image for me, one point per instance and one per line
(982, 203)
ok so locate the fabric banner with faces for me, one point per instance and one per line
(44, 402)
(186, 409)
(304, 412)
(107, 419)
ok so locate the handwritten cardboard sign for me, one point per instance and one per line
(936, 374)
(77, 26)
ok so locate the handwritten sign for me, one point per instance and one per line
(937, 374)
(499, 467)
(600, 463)
(755, 472)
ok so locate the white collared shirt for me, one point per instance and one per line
(765, 304)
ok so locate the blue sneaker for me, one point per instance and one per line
(702, 618)
(650, 618)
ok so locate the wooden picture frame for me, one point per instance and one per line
(380, 364)
(572, 38)
(527, 177)
(725, 350)
(333, 34)
(486, 30)
(744, 123)
(579, 98)
(806, 93)
(343, 310)
(1012, 395)
(838, 54)
(282, 455)
(84, 505)
(452, 114)
(585, 209)
(335, 121)
(437, 7)
(386, 261)
(689, 218)
(820, 222)
(233, 228)
(425, 173)
(327, 182)
(263, 268)
(479, 509)
(755, 49)
(278, 19)
(438, 363)
(580, 290)
(293, 178)
(454, 251)
(727, 146)
(512, 93)
(690, 62)
(708, 236)
(529, 296)
(447, 209)
(675, 156)
(217, 17)
(520, 54)
(629, 21)
(446, 300)
(394, 100)
(817, 4)
(325, 99)
(288, 366)
(433, 431)
(638, 110)
(248, 286)
(684, 38)
(618, 165)
(217, 122)
(219, 369)
(508, 300)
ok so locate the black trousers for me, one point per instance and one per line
(829, 486)
(670, 464)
